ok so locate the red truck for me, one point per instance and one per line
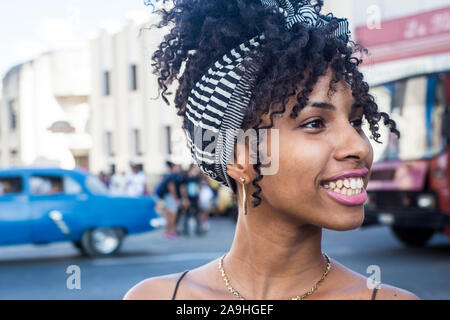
(409, 188)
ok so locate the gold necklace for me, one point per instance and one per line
(311, 291)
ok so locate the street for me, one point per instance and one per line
(39, 272)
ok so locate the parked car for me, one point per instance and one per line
(41, 206)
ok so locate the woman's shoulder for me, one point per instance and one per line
(196, 284)
(356, 286)
(154, 288)
(388, 292)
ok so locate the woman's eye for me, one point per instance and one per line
(318, 124)
(315, 124)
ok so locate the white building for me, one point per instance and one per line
(44, 111)
(128, 125)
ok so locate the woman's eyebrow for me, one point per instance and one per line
(329, 106)
(321, 105)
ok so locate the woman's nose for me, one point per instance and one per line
(351, 143)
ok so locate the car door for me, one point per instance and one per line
(15, 217)
(57, 201)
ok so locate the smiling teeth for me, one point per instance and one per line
(348, 186)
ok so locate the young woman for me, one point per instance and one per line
(280, 65)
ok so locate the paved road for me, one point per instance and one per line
(31, 272)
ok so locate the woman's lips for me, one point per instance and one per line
(354, 200)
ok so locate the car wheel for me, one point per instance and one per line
(101, 241)
(414, 237)
(77, 244)
(79, 247)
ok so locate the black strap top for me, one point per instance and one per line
(374, 292)
(178, 282)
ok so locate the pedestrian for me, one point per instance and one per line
(104, 178)
(136, 182)
(182, 198)
(166, 191)
(289, 73)
(118, 184)
(206, 203)
(215, 186)
(190, 193)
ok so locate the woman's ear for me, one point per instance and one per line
(239, 169)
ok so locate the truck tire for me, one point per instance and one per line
(101, 242)
(413, 237)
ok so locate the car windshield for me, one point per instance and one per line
(96, 186)
(417, 106)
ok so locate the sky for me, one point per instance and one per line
(29, 27)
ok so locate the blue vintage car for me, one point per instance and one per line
(40, 206)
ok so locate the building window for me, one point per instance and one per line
(12, 115)
(109, 144)
(106, 83)
(133, 78)
(137, 142)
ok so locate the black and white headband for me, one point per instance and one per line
(216, 105)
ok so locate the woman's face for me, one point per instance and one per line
(324, 141)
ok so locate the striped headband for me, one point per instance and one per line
(216, 105)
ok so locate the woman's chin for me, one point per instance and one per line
(346, 220)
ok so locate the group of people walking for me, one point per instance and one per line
(182, 196)
(121, 184)
(185, 196)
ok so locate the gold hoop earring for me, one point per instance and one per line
(244, 198)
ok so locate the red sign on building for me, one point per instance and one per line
(408, 37)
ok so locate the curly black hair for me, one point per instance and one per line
(202, 31)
